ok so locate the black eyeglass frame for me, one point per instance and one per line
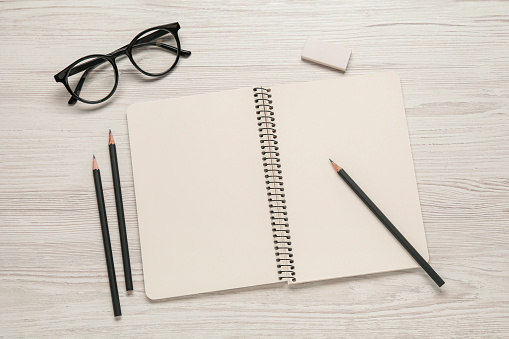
(97, 59)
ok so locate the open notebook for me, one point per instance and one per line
(235, 188)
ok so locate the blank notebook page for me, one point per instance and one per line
(359, 122)
(202, 205)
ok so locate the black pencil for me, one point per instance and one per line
(387, 223)
(106, 240)
(120, 214)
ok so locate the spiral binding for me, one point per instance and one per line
(274, 182)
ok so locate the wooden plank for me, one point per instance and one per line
(453, 59)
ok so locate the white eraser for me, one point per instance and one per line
(326, 53)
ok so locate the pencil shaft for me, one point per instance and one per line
(107, 243)
(121, 219)
(388, 224)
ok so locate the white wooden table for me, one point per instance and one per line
(453, 59)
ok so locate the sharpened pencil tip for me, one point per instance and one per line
(111, 140)
(95, 165)
(330, 160)
(336, 167)
(93, 155)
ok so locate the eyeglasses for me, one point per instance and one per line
(93, 79)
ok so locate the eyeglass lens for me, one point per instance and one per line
(155, 52)
(92, 83)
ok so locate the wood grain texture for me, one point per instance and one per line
(453, 59)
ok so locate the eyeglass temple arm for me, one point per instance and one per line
(158, 34)
(77, 90)
(121, 50)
